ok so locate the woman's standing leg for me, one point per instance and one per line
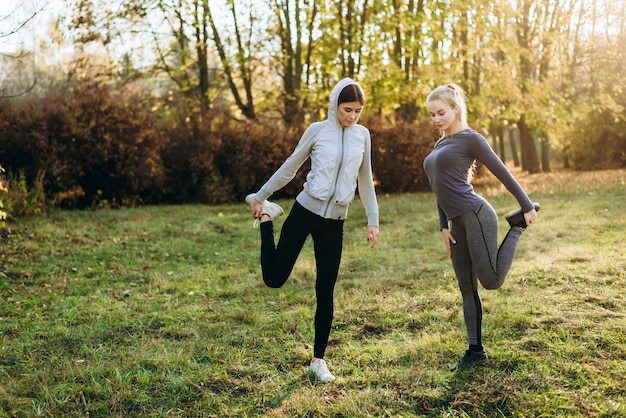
(468, 284)
(277, 261)
(328, 245)
(476, 256)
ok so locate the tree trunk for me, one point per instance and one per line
(500, 140)
(566, 157)
(513, 133)
(407, 112)
(295, 54)
(545, 154)
(202, 38)
(241, 60)
(497, 133)
(406, 56)
(530, 158)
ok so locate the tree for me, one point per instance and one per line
(5, 92)
(528, 37)
(406, 54)
(14, 24)
(296, 20)
(238, 66)
(595, 106)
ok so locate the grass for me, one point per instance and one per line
(160, 311)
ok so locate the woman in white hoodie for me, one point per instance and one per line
(340, 153)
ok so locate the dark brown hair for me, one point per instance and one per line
(351, 93)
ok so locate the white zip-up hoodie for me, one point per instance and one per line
(340, 161)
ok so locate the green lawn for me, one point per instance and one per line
(161, 311)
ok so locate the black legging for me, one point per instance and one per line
(277, 261)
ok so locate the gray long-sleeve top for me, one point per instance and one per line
(447, 167)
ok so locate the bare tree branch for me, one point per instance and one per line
(3, 95)
(19, 25)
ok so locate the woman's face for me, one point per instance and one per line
(348, 113)
(443, 115)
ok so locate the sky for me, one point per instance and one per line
(21, 9)
(13, 13)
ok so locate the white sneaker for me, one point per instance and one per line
(250, 198)
(319, 368)
(269, 208)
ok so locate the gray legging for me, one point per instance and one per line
(476, 256)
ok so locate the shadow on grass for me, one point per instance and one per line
(478, 391)
(288, 388)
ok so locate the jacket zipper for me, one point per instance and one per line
(330, 201)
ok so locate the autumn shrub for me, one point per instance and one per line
(97, 145)
(248, 153)
(106, 147)
(251, 153)
(239, 156)
(17, 199)
(3, 190)
(22, 153)
(23, 138)
(597, 140)
(188, 158)
(109, 146)
(217, 159)
(398, 153)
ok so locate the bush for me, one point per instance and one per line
(102, 147)
(108, 144)
(398, 154)
(18, 200)
(3, 190)
(97, 145)
(591, 147)
(216, 159)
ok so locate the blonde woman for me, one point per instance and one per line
(468, 223)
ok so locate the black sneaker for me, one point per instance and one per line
(516, 217)
(471, 358)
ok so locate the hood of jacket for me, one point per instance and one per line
(333, 116)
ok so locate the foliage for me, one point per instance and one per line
(18, 200)
(596, 135)
(3, 190)
(513, 63)
(155, 116)
(600, 138)
(160, 311)
(100, 147)
(398, 153)
(215, 159)
(535, 64)
(95, 144)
